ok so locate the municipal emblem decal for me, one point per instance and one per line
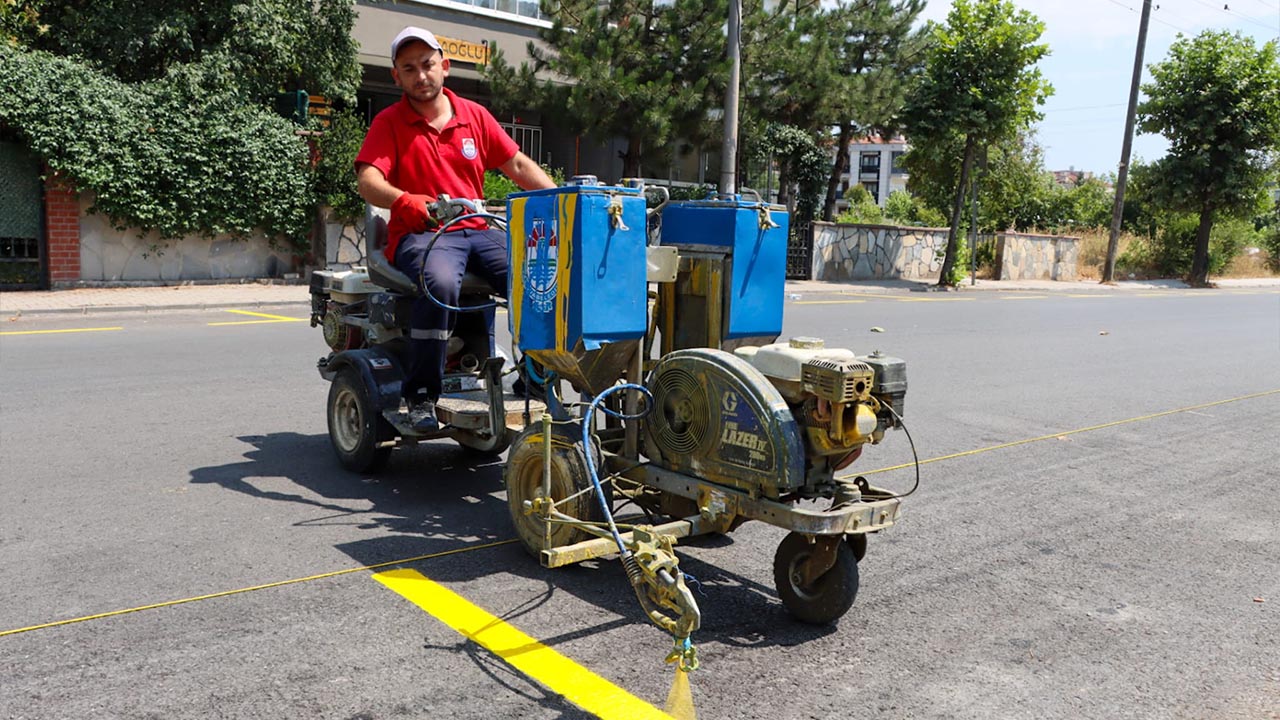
(469, 148)
(540, 265)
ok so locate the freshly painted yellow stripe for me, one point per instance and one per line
(281, 318)
(254, 588)
(577, 684)
(827, 302)
(1077, 431)
(57, 332)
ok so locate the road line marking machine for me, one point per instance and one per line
(686, 406)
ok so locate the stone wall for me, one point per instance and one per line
(344, 246)
(1022, 256)
(111, 255)
(876, 252)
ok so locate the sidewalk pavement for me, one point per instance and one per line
(251, 295)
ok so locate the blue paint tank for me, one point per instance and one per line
(753, 236)
(578, 288)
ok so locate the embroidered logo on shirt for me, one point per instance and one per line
(469, 148)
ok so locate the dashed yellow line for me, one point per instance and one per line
(577, 684)
(827, 302)
(1024, 297)
(55, 332)
(1077, 431)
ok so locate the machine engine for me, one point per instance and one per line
(842, 400)
(771, 420)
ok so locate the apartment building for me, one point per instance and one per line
(875, 163)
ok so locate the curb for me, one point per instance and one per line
(91, 309)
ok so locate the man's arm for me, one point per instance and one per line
(374, 187)
(525, 172)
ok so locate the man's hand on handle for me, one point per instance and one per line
(410, 212)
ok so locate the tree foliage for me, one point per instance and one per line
(637, 69)
(1216, 98)
(980, 85)
(799, 157)
(163, 110)
(878, 53)
(255, 47)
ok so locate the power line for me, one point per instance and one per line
(1267, 5)
(1162, 22)
(1227, 9)
(1083, 107)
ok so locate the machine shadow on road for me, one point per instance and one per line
(439, 497)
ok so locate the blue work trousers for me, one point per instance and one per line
(482, 252)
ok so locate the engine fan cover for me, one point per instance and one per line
(716, 417)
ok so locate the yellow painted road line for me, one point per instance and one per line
(55, 332)
(1090, 295)
(226, 593)
(941, 299)
(251, 322)
(1077, 431)
(827, 302)
(872, 296)
(282, 318)
(1023, 297)
(558, 673)
(269, 319)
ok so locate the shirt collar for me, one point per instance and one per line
(411, 116)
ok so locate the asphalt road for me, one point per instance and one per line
(1123, 563)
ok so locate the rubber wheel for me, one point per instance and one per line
(858, 544)
(523, 478)
(827, 598)
(355, 425)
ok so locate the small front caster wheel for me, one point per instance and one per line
(356, 428)
(857, 543)
(825, 599)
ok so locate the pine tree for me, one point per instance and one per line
(643, 70)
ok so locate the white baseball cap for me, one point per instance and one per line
(410, 34)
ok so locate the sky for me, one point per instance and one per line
(1090, 66)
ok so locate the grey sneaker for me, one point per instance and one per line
(422, 415)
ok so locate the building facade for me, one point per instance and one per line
(876, 164)
(471, 31)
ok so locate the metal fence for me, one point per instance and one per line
(800, 252)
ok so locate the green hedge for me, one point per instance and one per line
(180, 156)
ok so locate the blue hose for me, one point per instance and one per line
(586, 447)
(422, 278)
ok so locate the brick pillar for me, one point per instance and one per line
(62, 230)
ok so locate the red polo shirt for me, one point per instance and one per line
(419, 159)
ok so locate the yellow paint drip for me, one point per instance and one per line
(680, 699)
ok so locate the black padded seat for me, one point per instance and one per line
(383, 273)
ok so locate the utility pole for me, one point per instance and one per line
(729, 153)
(1117, 212)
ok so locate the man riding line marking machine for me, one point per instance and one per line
(435, 143)
(723, 425)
